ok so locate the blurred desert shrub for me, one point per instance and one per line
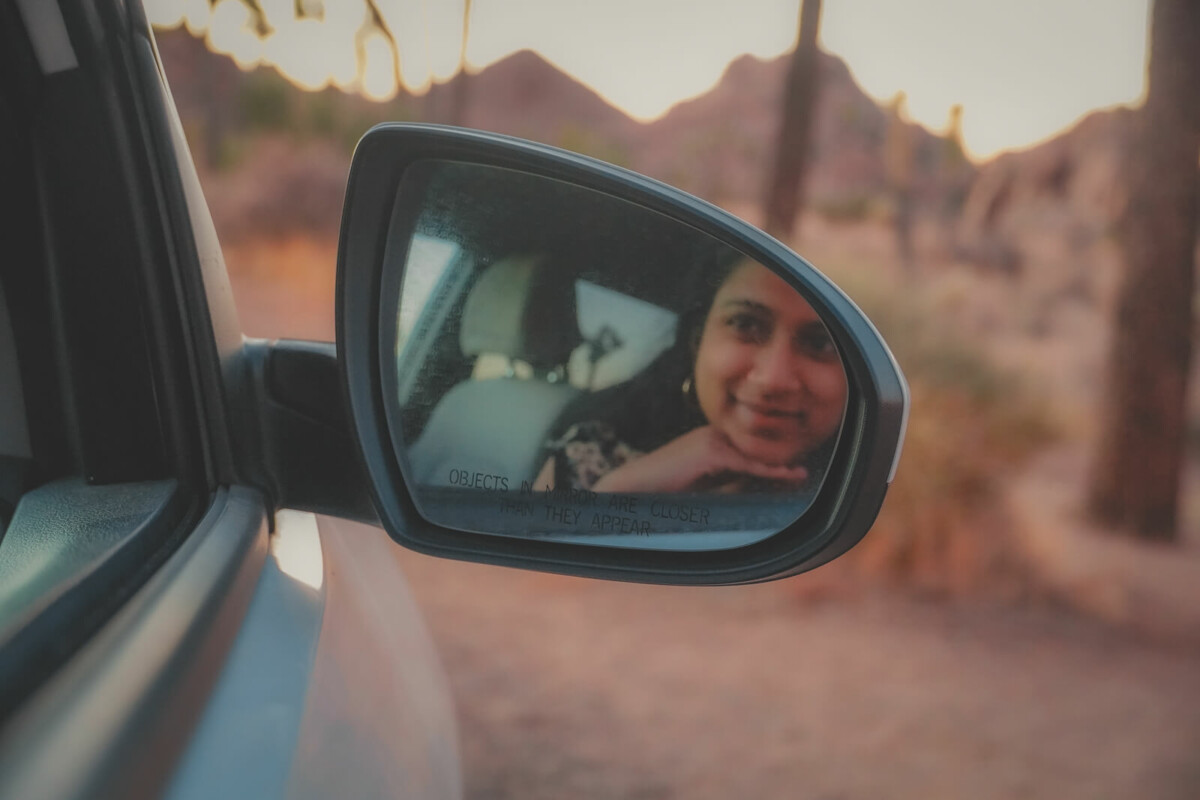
(265, 101)
(579, 139)
(282, 187)
(943, 526)
(268, 105)
(856, 207)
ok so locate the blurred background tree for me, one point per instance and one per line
(898, 168)
(1137, 473)
(461, 95)
(787, 174)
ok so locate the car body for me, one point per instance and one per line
(163, 631)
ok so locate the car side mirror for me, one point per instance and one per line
(558, 364)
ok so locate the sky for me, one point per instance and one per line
(1023, 70)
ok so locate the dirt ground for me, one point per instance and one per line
(573, 688)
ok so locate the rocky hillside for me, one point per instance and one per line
(1050, 201)
(523, 95)
(720, 144)
(716, 145)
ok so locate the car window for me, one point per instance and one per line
(622, 336)
(428, 258)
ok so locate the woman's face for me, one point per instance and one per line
(767, 374)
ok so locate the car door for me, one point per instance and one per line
(162, 629)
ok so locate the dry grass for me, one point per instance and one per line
(973, 424)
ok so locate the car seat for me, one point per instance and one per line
(523, 309)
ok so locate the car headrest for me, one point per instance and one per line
(523, 308)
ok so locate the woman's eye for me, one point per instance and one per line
(749, 328)
(817, 344)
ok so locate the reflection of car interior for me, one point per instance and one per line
(523, 311)
(504, 324)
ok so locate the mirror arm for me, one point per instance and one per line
(308, 446)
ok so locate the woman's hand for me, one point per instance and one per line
(702, 460)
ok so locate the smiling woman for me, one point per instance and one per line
(759, 409)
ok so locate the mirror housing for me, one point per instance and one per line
(862, 463)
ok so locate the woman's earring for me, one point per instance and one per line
(687, 389)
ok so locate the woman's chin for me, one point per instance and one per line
(770, 452)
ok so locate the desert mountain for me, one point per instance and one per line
(524, 95)
(726, 136)
(717, 145)
(1053, 199)
(1077, 169)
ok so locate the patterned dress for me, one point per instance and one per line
(586, 452)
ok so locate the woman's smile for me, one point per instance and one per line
(765, 412)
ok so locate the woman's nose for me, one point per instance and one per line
(777, 367)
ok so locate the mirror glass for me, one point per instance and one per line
(563, 364)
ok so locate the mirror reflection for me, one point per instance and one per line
(564, 364)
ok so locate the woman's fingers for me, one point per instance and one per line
(700, 460)
(787, 475)
(729, 459)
